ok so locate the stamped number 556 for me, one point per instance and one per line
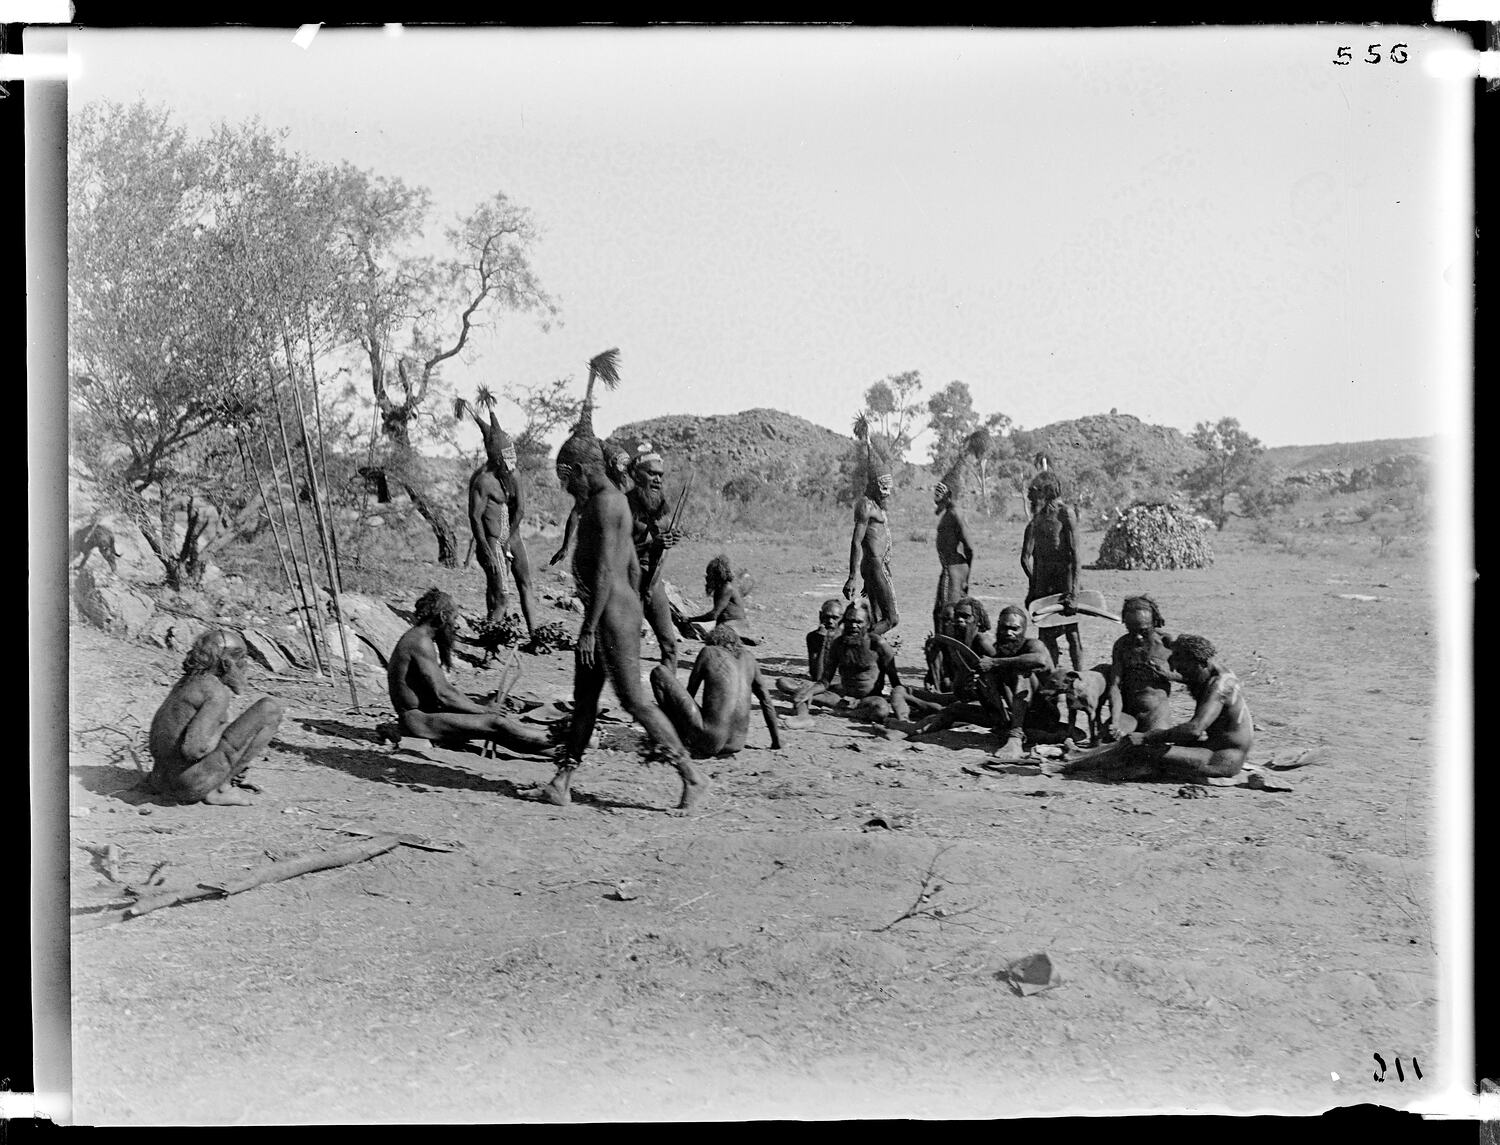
(1397, 55)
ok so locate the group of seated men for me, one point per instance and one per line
(200, 754)
(1008, 682)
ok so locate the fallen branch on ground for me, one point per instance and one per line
(270, 873)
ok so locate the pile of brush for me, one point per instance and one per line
(1155, 536)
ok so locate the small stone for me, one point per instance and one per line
(1258, 781)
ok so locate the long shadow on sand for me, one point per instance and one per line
(419, 774)
(123, 784)
(336, 729)
(976, 740)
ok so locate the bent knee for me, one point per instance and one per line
(1225, 763)
(270, 709)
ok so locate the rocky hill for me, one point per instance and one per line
(1348, 454)
(1108, 458)
(1118, 441)
(765, 442)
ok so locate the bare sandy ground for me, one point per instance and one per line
(1245, 950)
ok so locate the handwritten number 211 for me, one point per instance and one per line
(1397, 55)
(1400, 1076)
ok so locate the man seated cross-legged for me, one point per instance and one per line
(427, 705)
(1002, 691)
(864, 664)
(200, 754)
(820, 639)
(948, 671)
(729, 677)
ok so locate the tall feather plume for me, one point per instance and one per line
(461, 408)
(605, 367)
(862, 433)
(484, 398)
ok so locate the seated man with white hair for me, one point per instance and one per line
(200, 754)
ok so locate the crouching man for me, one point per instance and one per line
(427, 705)
(729, 676)
(200, 754)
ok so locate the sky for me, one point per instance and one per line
(1179, 224)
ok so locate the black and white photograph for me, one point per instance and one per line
(799, 573)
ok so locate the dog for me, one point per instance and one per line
(91, 537)
(1084, 692)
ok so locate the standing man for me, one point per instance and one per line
(427, 705)
(729, 677)
(870, 547)
(606, 572)
(954, 548)
(652, 539)
(495, 518)
(1049, 558)
(198, 752)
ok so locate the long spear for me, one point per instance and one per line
(286, 446)
(333, 534)
(286, 450)
(323, 525)
(247, 458)
(309, 612)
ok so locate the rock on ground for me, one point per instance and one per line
(373, 620)
(265, 651)
(108, 603)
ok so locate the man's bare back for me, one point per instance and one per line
(730, 679)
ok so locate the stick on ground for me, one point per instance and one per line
(270, 873)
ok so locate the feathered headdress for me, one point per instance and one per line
(604, 367)
(498, 446)
(975, 446)
(876, 466)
